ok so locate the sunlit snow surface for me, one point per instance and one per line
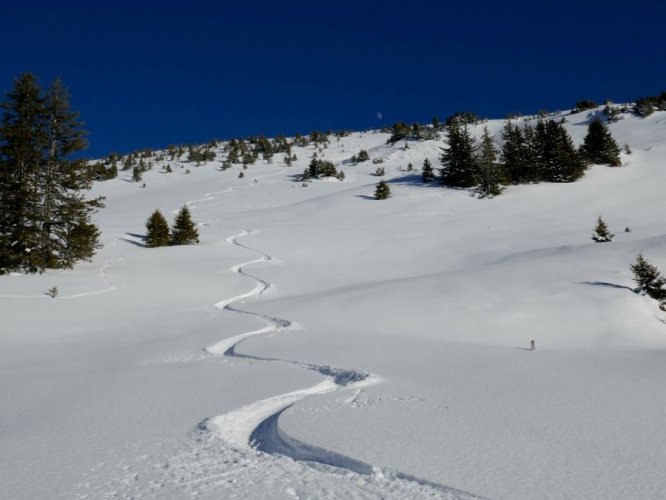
(321, 344)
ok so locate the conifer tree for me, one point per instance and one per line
(488, 172)
(601, 233)
(184, 231)
(67, 232)
(428, 173)
(22, 140)
(649, 280)
(458, 163)
(44, 218)
(157, 230)
(382, 190)
(558, 158)
(599, 146)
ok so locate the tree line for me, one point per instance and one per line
(530, 154)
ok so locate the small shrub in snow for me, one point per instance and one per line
(584, 104)
(649, 280)
(52, 292)
(382, 190)
(380, 172)
(601, 233)
(428, 173)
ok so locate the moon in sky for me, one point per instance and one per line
(379, 115)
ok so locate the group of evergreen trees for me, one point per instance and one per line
(530, 154)
(45, 221)
(183, 232)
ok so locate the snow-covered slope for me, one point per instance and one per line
(366, 349)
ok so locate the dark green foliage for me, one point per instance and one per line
(362, 156)
(136, 174)
(44, 219)
(458, 162)
(612, 113)
(462, 118)
(157, 230)
(559, 161)
(380, 172)
(541, 153)
(649, 279)
(382, 190)
(644, 106)
(428, 173)
(601, 233)
(599, 146)
(102, 171)
(518, 155)
(320, 168)
(489, 173)
(583, 104)
(184, 231)
(200, 154)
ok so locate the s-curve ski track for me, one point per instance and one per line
(256, 425)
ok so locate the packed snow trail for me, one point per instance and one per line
(256, 424)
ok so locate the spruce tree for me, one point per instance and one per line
(157, 230)
(44, 218)
(68, 234)
(599, 146)
(458, 163)
(558, 158)
(601, 233)
(488, 172)
(382, 190)
(428, 173)
(184, 231)
(22, 141)
(648, 279)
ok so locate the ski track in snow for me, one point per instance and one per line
(110, 287)
(255, 426)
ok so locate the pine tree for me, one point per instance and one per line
(184, 231)
(157, 230)
(44, 218)
(513, 154)
(601, 233)
(599, 146)
(428, 173)
(649, 279)
(382, 190)
(557, 156)
(67, 232)
(22, 140)
(458, 163)
(488, 172)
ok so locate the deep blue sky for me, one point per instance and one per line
(146, 74)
